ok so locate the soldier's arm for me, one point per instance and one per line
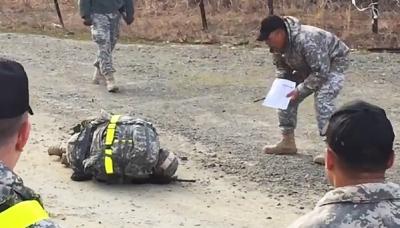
(319, 62)
(282, 69)
(129, 10)
(84, 8)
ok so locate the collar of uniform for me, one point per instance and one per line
(363, 193)
(290, 37)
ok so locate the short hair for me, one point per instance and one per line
(270, 24)
(9, 127)
(361, 136)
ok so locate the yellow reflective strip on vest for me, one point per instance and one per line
(108, 163)
(110, 135)
(114, 119)
(23, 214)
(108, 152)
(111, 129)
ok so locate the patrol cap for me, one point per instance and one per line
(14, 91)
(270, 24)
(361, 135)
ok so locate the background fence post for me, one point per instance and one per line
(375, 15)
(203, 15)
(271, 7)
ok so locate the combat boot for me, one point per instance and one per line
(319, 159)
(56, 150)
(64, 160)
(110, 81)
(286, 146)
(97, 76)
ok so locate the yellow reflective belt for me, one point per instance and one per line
(110, 135)
(23, 214)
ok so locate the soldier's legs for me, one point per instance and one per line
(101, 36)
(287, 124)
(325, 99)
(114, 35)
(325, 104)
(114, 32)
(288, 118)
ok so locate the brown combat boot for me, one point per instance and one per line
(319, 159)
(110, 81)
(56, 150)
(286, 146)
(97, 76)
(64, 160)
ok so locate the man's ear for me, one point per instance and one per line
(23, 135)
(390, 161)
(330, 159)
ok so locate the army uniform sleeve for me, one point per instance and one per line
(85, 8)
(314, 218)
(45, 224)
(282, 69)
(129, 9)
(319, 62)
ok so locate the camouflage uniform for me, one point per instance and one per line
(13, 191)
(365, 205)
(105, 16)
(105, 32)
(136, 151)
(316, 60)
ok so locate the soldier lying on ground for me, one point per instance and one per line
(117, 149)
(360, 150)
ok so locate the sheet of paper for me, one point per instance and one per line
(276, 97)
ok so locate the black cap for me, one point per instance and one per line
(270, 24)
(361, 134)
(14, 91)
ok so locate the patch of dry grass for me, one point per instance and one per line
(232, 21)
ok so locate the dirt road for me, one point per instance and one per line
(200, 98)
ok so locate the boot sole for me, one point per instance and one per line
(281, 152)
(113, 90)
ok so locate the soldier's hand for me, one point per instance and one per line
(87, 21)
(129, 21)
(293, 95)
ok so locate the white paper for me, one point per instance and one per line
(276, 97)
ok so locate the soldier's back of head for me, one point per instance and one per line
(360, 139)
(14, 103)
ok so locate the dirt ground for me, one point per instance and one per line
(201, 100)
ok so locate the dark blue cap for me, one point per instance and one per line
(14, 90)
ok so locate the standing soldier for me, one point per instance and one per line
(316, 60)
(104, 17)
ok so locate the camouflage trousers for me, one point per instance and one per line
(105, 32)
(324, 99)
